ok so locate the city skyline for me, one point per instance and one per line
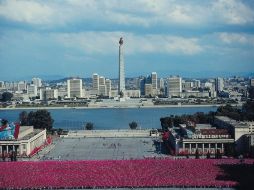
(78, 38)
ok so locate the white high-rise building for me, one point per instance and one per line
(32, 90)
(161, 83)
(48, 93)
(219, 84)
(121, 87)
(37, 82)
(154, 80)
(22, 85)
(96, 83)
(102, 80)
(2, 86)
(74, 88)
(196, 83)
(102, 86)
(108, 87)
(174, 86)
(187, 85)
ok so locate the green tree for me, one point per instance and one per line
(248, 110)
(166, 122)
(6, 96)
(23, 118)
(133, 125)
(89, 126)
(40, 119)
(200, 117)
(60, 131)
(230, 111)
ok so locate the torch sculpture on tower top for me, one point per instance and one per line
(121, 41)
(121, 87)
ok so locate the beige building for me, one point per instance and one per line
(148, 90)
(154, 80)
(96, 83)
(32, 90)
(48, 94)
(102, 86)
(28, 139)
(174, 86)
(132, 93)
(237, 129)
(187, 94)
(108, 87)
(203, 139)
(74, 88)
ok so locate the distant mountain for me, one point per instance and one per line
(86, 80)
(162, 74)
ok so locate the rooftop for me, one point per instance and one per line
(30, 135)
(214, 131)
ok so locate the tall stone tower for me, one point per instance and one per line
(121, 87)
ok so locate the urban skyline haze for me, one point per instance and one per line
(53, 39)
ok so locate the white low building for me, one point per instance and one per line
(28, 139)
(237, 129)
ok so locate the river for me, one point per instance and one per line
(110, 118)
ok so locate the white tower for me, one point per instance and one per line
(121, 87)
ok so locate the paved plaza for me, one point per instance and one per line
(104, 149)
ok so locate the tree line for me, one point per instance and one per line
(246, 113)
(40, 119)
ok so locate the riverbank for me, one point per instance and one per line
(118, 106)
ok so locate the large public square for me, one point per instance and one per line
(101, 148)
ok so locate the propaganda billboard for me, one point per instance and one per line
(8, 131)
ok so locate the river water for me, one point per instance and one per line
(109, 118)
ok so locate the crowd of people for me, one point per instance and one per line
(116, 173)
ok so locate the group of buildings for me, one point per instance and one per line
(149, 86)
(227, 136)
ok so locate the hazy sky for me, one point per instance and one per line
(79, 37)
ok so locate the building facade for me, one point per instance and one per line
(96, 83)
(184, 141)
(154, 80)
(48, 93)
(37, 82)
(108, 87)
(148, 90)
(32, 90)
(174, 87)
(219, 84)
(74, 88)
(28, 139)
(237, 129)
